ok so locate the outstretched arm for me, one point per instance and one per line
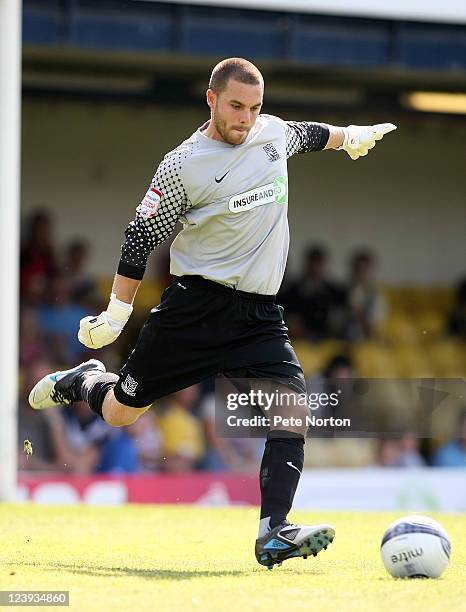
(356, 140)
(156, 216)
(336, 137)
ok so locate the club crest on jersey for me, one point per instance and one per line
(271, 151)
(150, 203)
(129, 385)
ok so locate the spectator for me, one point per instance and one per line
(315, 305)
(340, 366)
(366, 303)
(31, 345)
(389, 453)
(457, 320)
(182, 437)
(240, 454)
(38, 260)
(83, 289)
(78, 436)
(119, 453)
(410, 455)
(148, 442)
(33, 426)
(59, 320)
(400, 452)
(453, 453)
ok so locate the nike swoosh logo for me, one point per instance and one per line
(290, 463)
(219, 180)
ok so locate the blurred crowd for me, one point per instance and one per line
(58, 289)
(319, 307)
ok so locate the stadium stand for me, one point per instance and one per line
(413, 338)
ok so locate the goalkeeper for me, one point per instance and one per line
(228, 185)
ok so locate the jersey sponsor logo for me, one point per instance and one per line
(271, 151)
(129, 385)
(280, 190)
(150, 203)
(266, 194)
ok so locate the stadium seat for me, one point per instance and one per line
(315, 357)
(147, 297)
(312, 359)
(448, 358)
(341, 452)
(412, 361)
(374, 360)
(413, 300)
(430, 324)
(399, 327)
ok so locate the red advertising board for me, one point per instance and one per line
(206, 488)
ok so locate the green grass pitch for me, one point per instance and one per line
(192, 558)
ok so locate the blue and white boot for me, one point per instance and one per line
(57, 388)
(287, 541)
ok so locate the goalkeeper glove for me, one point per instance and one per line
(96, 332)
(360, 138)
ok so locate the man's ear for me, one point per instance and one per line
(210, 97)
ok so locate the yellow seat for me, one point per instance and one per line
(374, 360)
(311, 358)
(314, 357)
(147, 297)
(105, 286)
(399, 327)
(448, 358)
(412, 300)
(412, 361)
(340, 452)
(430, 324)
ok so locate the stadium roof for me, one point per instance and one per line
(447, 11)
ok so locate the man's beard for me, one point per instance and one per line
(220, 126)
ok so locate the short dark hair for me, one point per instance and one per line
(235, 68)
(336, 362)
(316, 251)
(362, 256)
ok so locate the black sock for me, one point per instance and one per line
(281, 467)
(92, 388)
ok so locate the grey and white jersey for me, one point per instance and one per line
(232, 202)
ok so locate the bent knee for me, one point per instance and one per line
(119, 415)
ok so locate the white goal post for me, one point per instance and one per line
(10, 121)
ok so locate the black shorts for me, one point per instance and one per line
(202, 328)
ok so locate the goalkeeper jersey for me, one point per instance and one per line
(232, 201)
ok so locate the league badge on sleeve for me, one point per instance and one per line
(150, 203)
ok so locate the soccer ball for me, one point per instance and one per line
(414, 547)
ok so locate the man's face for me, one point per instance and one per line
(316, 267)
(234, 111)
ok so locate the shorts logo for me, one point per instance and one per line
(271, 151)
(266, 194)
(150, 203)
(129, 385)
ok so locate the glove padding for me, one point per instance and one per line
(360, 138)
(96, 332)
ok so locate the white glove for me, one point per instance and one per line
(360, 138)
(95, 332)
